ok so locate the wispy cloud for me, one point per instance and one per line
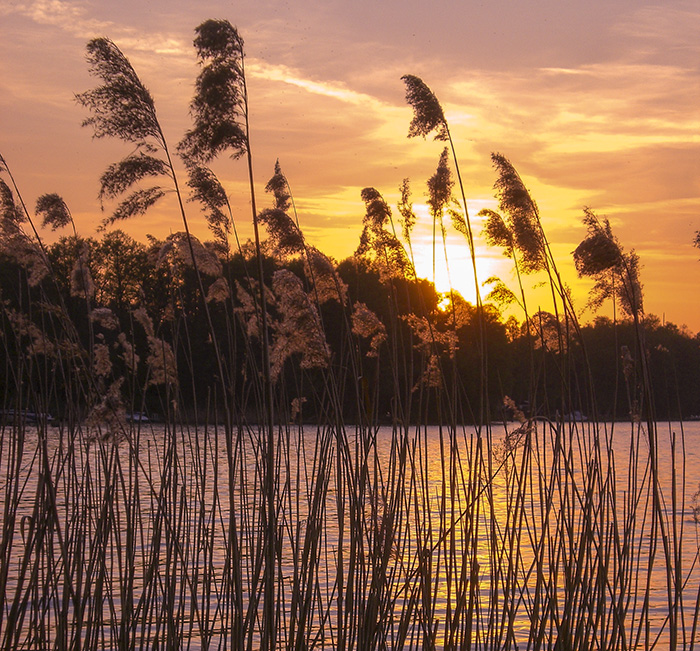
(75, 19)
(72, 18)
(664, 31)
(342, 93)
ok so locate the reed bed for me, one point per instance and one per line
(275, 505)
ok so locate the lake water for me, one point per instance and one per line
(575, 534)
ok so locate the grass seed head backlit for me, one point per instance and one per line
(428, 115)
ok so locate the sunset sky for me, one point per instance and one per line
(595, 103)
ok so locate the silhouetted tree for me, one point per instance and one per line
(122, 270)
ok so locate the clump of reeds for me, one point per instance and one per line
(332, 476)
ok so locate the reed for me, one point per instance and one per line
(328, 469)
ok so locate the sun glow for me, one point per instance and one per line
(448, 262)
(457, 272)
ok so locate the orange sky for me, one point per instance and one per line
(596, 104)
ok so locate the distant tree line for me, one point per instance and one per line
(415, 334)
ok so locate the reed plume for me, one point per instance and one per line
(428, 115)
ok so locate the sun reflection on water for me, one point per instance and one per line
(494, 538)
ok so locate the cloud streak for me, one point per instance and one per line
(279, 73)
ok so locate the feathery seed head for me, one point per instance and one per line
(408, 217)
(102, 365)
(219, 291)
(54, 211)
(137, 203)
(119, 177)
(10, 213)
(522, 214)
(300, 329)
(279, 188)
(218, 107)
(380, 248)
(178, 247)
(108, 415)
(162, 365)
(496, 232)
(599, 251)
(131, 359)
(81, 283)
(285, 235)
(218, 38)
(440, 185)
(206, 187)
(366, 324)
(39, 343)
(13, 240)
(145, 320)
(428, 115)
(327, 284)
(517, 413)
(378, 212)
(122, 107)
(500, 294)
(105, 318)
(296, 407)
(248, 311)
(616, 273)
